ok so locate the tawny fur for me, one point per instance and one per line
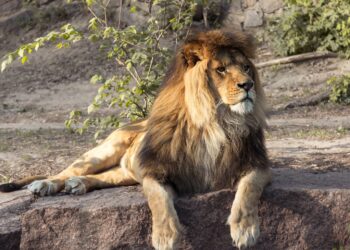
(204, 132)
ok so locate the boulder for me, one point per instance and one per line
(12, 205)
(270, 6)
(253, 17)
(248, 3)
(299, 210)
(234, 17)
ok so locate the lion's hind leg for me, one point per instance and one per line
(98, 159)
(13, 186)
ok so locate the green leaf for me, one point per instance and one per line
(24, 59)
(133, 9)
(37, 45)
(90, 2)
(96, 78)
(21, 52)
(91, 108)
(128, 65)
(3, 65)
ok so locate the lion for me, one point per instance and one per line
(204, 133)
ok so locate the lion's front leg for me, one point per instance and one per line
(165, 223)
(243, 220)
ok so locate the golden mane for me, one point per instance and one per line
(185, 126)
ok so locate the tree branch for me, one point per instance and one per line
(306, 101)
(296, 58)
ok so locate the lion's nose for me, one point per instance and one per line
(246, 85)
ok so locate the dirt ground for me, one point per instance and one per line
(36, 98)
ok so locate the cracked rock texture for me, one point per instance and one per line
(299, 210)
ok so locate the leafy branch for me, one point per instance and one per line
(140, 53)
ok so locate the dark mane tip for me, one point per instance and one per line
(218, 38)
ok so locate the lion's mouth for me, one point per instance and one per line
(244, 106)
(247, 98)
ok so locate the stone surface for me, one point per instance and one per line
(299, 210)
(234, 18)
(248, 3)
(253, 17)
(251, 13)
(12, 205)
(269, 6)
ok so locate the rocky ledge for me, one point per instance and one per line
(299, 210)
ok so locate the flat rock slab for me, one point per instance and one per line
(299, 210)
(12, 205)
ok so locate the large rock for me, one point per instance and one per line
(248, 3)
(300, 210)
(12, 205)
(234, 18)
(253, 17)
(270, 6)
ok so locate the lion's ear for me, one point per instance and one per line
(193, 53)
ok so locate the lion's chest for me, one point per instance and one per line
(196, 178)
(209, 163)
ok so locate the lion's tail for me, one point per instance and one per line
(16, 185)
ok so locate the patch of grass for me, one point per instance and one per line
(27, 157)
(24, 133)
(306, 91)
(276, 67)
(4, 147)
(340, 89)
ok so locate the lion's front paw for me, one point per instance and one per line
(44, 187)
(244, 227)
(166, 236)
(75, 185)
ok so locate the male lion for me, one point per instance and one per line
(204, 133)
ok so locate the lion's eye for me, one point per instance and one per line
(221, 69)
(246, 68)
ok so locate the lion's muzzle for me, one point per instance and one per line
(246, 85)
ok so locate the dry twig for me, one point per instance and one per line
(296, 58)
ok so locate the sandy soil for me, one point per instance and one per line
(36, 98)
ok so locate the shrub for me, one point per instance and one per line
(308, 25)
(340, 92)
(138, 51)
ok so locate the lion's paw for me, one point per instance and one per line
(75, 185)
(166, 236)
(244, 228)
(43, 187)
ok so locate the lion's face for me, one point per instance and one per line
(231, 74)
